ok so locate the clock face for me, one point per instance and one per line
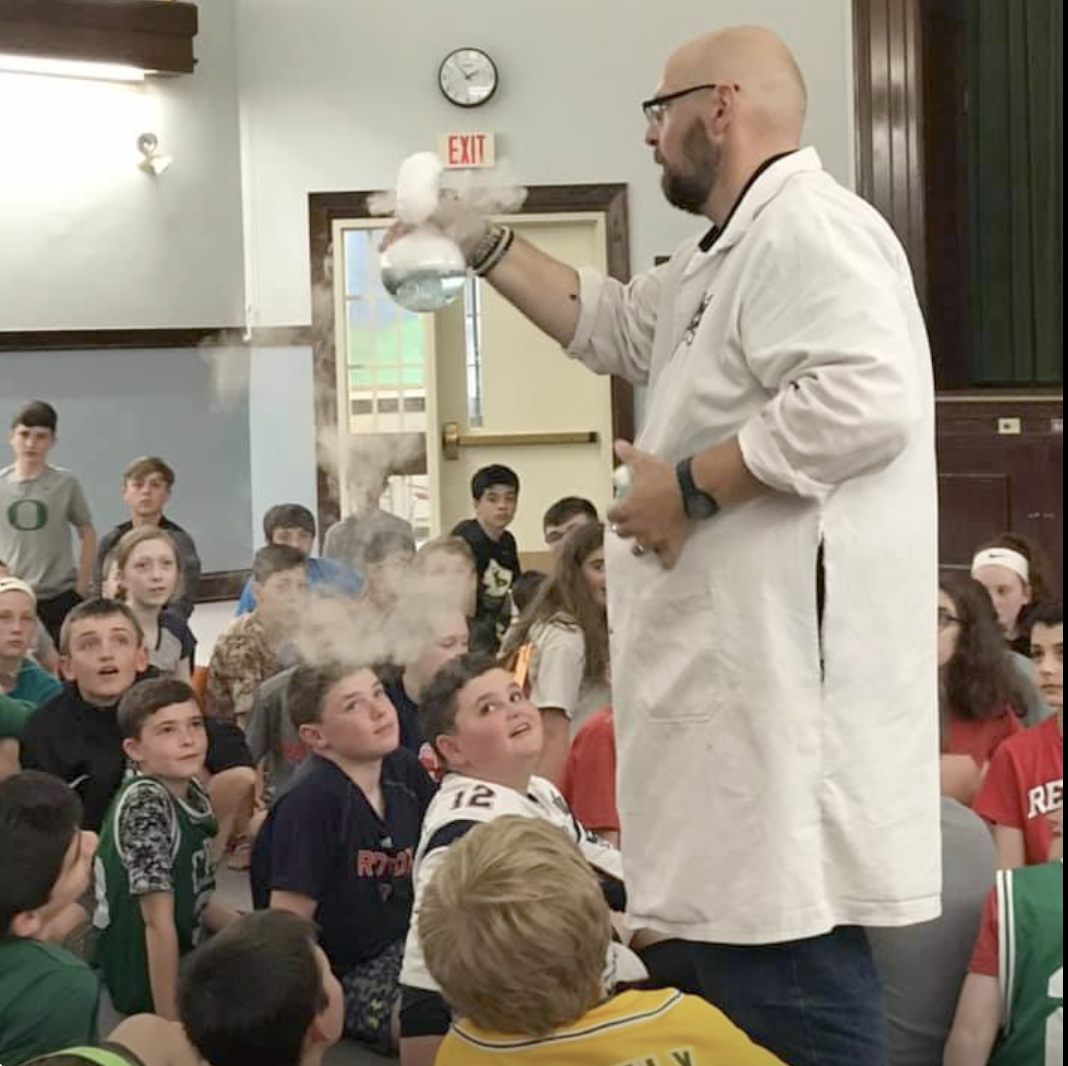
(468, 77)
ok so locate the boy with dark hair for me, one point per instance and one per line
(48, 998)
(1025, 783)
(75, 736)
(293, 525)
(489, 738)
(147, 484)
(155, 871)
(564, 517)
(525, 968)
(289, 1012)
(495, 492)
(39, 505)
(250, 651)
(339, 842)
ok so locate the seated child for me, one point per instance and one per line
(43, 650)
(346, 541)
(155, 871)
(524, 967)
(150, 576)
(449, 563)
(495, 492)
(21, 677)
(980, 693)
(445, 637)
(273, 740)
(48, 998)
(293, 526)
(1012, 1008)
(590, 776)
(289, 1012)
(389, 559)
(489, 737)
(250, 651)
(147, 484)
(1025, 784)
(76, 737)
(338, 845)
(564, 517)
(24, 686)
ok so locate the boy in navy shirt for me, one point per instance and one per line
(339, 843)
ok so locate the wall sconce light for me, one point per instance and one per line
(155, 162)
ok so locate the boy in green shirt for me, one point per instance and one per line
(155, 873)
(48, 998)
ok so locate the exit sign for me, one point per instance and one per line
(462, 151)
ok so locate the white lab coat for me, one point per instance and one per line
(760, 801)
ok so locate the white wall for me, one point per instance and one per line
(335, 93)
(87, 240)
(281, 407)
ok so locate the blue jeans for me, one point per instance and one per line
(813, 1002)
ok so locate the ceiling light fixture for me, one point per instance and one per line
(115, 39)
(69, 68)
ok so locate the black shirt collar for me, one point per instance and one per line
(709, 239)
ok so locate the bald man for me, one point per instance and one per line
(772, 573)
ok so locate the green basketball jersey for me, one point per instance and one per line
(150, 817)
(1031, 966)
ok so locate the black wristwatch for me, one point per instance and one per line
(698, 505)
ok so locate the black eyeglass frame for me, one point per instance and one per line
(653, 109)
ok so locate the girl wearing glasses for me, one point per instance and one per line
(980, 689)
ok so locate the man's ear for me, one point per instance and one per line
(141, 662)
(257, 593)
(131, 748)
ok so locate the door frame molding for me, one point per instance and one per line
(326, 208)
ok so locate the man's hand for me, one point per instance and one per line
(651, 514)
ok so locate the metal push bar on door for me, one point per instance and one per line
(452, 439)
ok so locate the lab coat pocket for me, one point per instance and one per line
(674, 672)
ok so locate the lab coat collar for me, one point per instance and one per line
(765, 185)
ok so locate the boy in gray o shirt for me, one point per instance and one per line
(39, 506)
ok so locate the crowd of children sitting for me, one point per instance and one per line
(430, 831)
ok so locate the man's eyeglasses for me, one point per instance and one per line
(945, 620)
(656, 107)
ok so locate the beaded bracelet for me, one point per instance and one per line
(503, 247)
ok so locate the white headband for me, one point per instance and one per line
(12, 584)
(1006, 557)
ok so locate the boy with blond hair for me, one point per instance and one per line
(525, 968)
(488, 737)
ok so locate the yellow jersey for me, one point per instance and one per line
(634, 1029)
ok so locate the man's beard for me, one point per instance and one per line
(690, 192)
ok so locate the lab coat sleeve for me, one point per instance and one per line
(617, 324)
(830, 326)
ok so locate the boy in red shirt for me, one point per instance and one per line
(1025, 785)
(590, 777)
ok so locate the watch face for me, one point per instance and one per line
(468, 77)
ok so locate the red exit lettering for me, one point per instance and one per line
(466, 149)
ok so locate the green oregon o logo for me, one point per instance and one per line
(28, 516)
